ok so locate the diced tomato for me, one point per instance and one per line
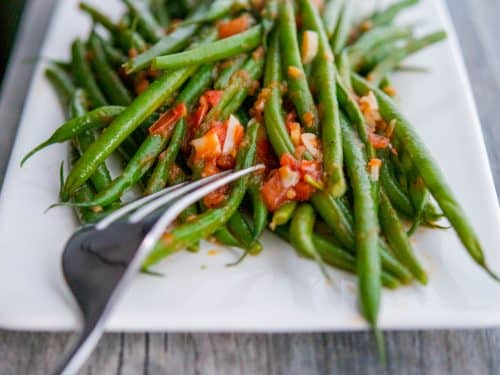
(265, 154)
(303, 191)
(216, 197)
(218, 128)
(196, 117)
(273, 192)
(165, 123)
(208, 146)
(141, 85)
(311, 168)
(213, 97)
(234, 26)
(288, 160)
(378, 141)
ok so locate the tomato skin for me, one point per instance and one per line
(265, 154)
(378, 141)
(163, 126)
(233, 27)
(303, 191)
(213, 97)
(273, 192)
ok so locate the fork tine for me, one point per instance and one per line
(118, 214)
(176, 209)
(129, 207)
(145, 210)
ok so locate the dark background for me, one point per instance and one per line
(10, 14)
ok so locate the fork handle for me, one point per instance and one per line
(81, 350)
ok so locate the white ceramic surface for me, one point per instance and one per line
(276, 291)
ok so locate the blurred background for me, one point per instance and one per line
(10, 14)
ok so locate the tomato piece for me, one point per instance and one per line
(213, 97)
(378, 141)
(303, 191)
(287, 160)
(273, 192)
(233, 27)
(218, 128)
(163, 126)
(265, 154)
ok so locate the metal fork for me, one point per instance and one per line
(100, 261)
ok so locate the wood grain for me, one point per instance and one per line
(430, 352)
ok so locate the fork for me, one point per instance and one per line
(101, 260)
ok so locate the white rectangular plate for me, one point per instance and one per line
(276, 291)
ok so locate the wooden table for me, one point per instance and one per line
(432, 352)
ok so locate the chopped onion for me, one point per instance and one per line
(311, 143)
(309, 46)
(289, 177)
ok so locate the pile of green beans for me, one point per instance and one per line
(310, 88)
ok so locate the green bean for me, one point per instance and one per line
(226, 238)
(101, 177)
(340, 258)
(301, 234)
(61, 81)
(241, 230)
(211, 220)
(230, 67)
(148, 24)
(113, 55)
(341, 36)
(393, 60)
(398, 239)
(331, 16)
(336, 256)
(99, 17)
(354, 115)
(140, 109)
(373, 39)
(273, 113)
(283, 215)
(430, 172)
(375, 56)
(340, 220)
(330, 121)
(366, 228)
(269, 16)
(173, 42)
(160, 9)
(298, 88)
(217, 10)
(212, 52)
(344, 69)
(398, 197)
(83, 74)
(259, 209)
(95, 119)
(158, 179)
(238, 90)
(66, 90)
(109, 81)
(84, 194)
(126, 38)
(388, 15)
